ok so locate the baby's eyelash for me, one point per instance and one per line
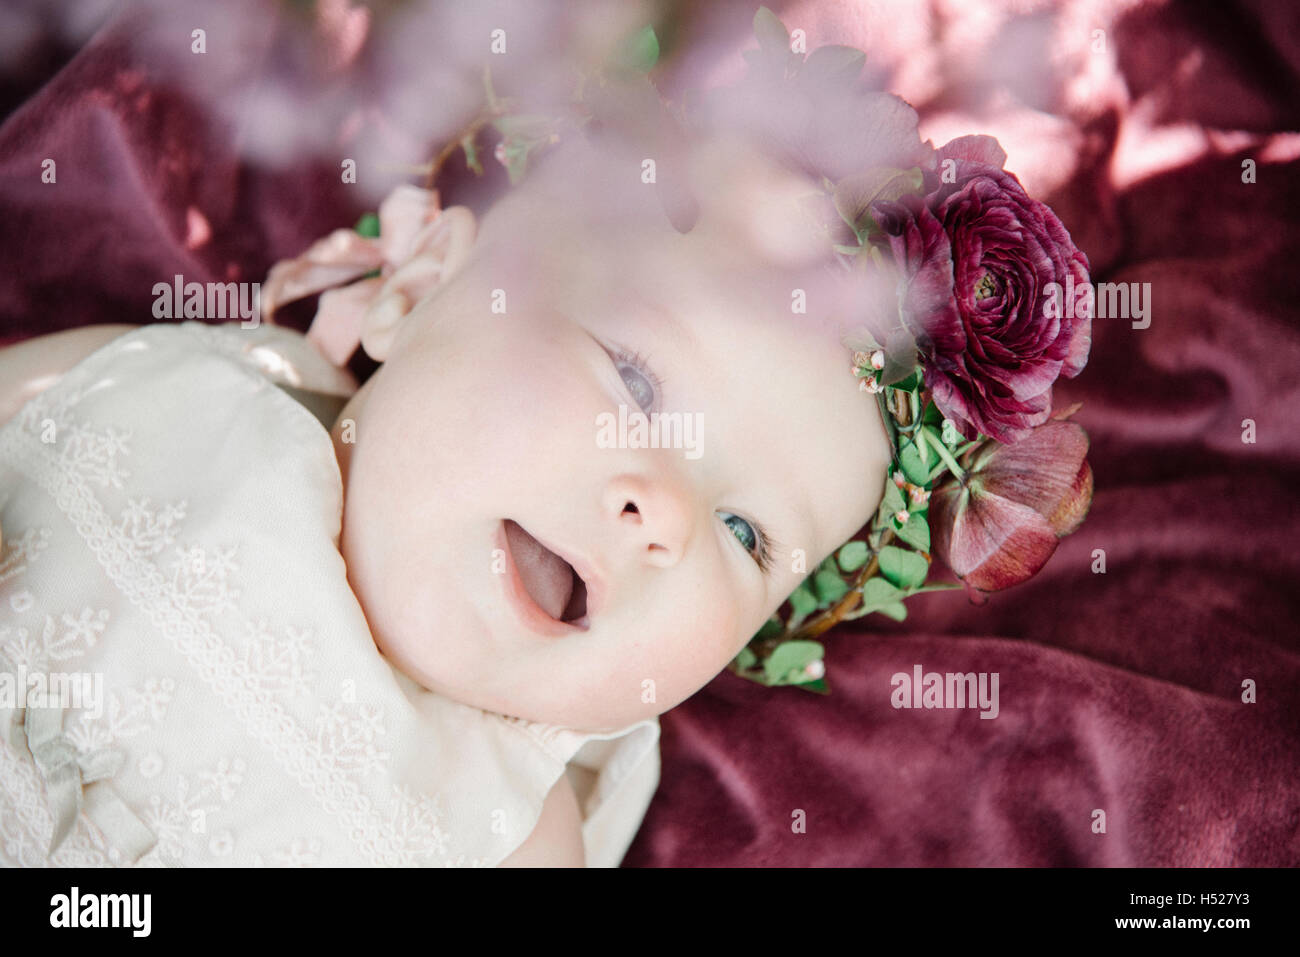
(767, 547)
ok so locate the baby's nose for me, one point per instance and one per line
(654, 516)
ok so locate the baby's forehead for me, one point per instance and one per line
(724, 190)
(660, 290)
(589, 239)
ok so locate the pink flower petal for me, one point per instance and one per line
(343, 29)
(988, 541)
(197, 229)
(448, 239)
(336, 330)
(975, 149)
(338, 258)
(1043, 471)
(1073, 507)
(402, 215)
(1001, 526)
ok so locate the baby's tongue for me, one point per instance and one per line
(546, 576)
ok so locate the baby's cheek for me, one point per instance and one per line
(698, 645)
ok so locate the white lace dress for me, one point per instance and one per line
(170, 576)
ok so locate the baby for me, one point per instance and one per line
(480, 433)
(518, 597)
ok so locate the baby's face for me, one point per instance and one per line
(480, 437)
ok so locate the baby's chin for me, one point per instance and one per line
(578, 711)
(479, 675)
(537, 695)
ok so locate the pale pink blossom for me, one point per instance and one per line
(419, 246)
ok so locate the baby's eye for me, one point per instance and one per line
(743, 531)
(640, 379)
(753, 538)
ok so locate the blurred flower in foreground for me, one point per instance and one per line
(417, 246)
(1000, 524)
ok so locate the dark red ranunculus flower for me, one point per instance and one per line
(978, 256)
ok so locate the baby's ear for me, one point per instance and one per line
(437, 252)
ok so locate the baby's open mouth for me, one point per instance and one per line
(549, 580)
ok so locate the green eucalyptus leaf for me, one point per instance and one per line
(833, 63)
(368, 225)
(772, 36)
(853, 556)
(910, 383)
(525, 126)
(791, 656)
(916, 532)
(803, 601)
(516, 158)
(896, 611)
(854, 194)
(640, 51)
(877, 592)
(771, 628)
(746, 659)
(914, 467)
(903, 568)
(516, 166)
(893, 500)
(819, 686)
(900, 357)
(471, 155)
(830, 586)
(861, 339)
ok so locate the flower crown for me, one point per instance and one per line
(984, 476)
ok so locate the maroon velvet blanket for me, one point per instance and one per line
(1119, 692)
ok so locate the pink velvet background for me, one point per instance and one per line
(1119, 691)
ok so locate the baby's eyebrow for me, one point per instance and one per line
(680, 331)
(800, 517)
